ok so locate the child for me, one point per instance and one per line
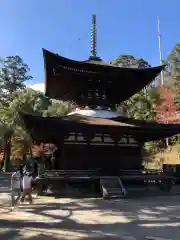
(27, 187)
(15, 187)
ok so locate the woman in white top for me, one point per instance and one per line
(15, 187)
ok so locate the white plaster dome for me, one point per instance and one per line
(96, 113)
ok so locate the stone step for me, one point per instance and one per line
(112, 187)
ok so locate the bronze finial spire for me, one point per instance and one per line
(94, 56)
(93, 37)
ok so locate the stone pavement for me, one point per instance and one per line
(153, 218)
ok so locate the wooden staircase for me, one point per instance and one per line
(112, 187)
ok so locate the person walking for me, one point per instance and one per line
(15, 187)
(27, 187)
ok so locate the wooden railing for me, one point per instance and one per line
(67, 173)
(140, 172)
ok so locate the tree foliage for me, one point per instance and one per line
(173, 83)
(56, 108)
(142, 105)
(173, 61)
(16, 98)
(13, 74)
(31, 102)
(130, 61)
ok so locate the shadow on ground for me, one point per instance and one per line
(96, 219)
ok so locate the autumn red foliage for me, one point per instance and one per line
(168, 112)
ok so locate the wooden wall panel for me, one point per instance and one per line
(107, 158)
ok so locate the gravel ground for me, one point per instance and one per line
(130, 219)
(153, 218)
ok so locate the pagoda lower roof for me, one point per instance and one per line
(48, 128)
(67, 79)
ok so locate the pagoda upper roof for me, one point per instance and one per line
(49, 128)
(67, 79)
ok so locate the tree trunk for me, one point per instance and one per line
(7, 152)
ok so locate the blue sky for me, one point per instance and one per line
(63, 26)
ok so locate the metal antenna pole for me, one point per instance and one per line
(160, 51)
(160, 56)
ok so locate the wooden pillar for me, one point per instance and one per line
(61, 155)
(89, 159)
(58, 164)
(88, 154)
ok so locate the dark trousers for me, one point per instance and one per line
(27, 192)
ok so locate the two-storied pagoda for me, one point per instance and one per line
(95, 137)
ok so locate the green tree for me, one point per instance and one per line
(57, 108)
(124, 61)
(29, 101)
(130, 61)
(142, 63)
(11, 125)
(173, 62)
(142, 105)
(13, 74)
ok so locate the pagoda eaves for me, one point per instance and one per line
(46, 128)
(93, 81)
